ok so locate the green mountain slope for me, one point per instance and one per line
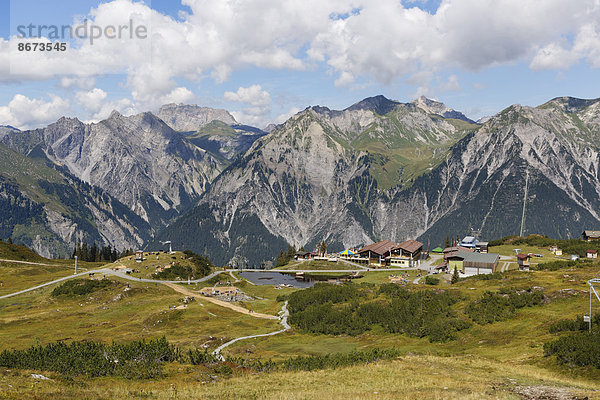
(49, 210)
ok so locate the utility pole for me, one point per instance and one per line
(592, 289)
(75, 273)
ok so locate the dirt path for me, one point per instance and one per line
(34, 263)
(221, 303)
(284, 316)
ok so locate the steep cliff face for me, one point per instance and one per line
(225, 141)
(139, 160)
(386, 170)
(316, 177)
(190, 118)
(50, 210)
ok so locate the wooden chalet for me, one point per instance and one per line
(304, 255)
(377, 252)
(523, 261)
(591, 254)
(590, 235)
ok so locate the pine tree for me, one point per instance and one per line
(455, 276)
(447, 242)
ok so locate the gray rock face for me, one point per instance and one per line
(190, 118)
(435, 107)
(5, 130)
(227, 141)
(312, 179)
(49, 210)
(139, 160)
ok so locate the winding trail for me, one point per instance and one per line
(50, 283)
(32, 263)
(221, 303)
(286, 327)
(172, 284)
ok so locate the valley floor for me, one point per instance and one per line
(503, 360)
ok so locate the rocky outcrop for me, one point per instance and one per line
(190, 118)
(319, 176)
(49, 210)
(139, 160)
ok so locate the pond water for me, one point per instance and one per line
(277, 278)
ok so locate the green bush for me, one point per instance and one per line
(556, 265)
(351, 309)
(133, 360)
(492, 307)
(572, 325)
(431, 280)
(80, 287)
(338, 360)
(576, 349)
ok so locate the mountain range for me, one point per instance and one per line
(379, 169)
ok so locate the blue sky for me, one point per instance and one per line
(264, 60)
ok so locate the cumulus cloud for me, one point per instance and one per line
(258, 101)
(25, 113)
(384, 41)
(98, 107)
(281, 118)
(253, 95)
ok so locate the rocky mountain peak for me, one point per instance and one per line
(570, 104)
(191, 117)
(435, 107)
(378, 104)
(114, 115)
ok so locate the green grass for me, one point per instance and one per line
(152, 260)
(481, 357)
(17, 276)
(119, 314)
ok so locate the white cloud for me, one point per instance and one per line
(25, 113)
(85, 83)
(98, 107)
(91, 101)
(253, 95)
(285, 116)
(451, 85)
(258, 101)
(178, 95)
(383, 41)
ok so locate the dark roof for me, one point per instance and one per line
(302, 253)
(410, 245)
(457, 248)
(592, 251)
(522, 256)
(449, 249)
(595, 234)
(489, 258)
(379, 247)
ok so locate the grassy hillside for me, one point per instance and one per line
(503, 360)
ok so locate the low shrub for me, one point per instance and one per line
(492, 307)
(431, 280)
(134, 360)
(80, 287)
(576, 349)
